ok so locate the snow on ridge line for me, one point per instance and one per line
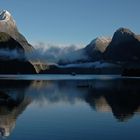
(101, 39)
(4, 15)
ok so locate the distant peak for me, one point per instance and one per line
(4, 15)
(101, 39)
(123, 30)
(99, 44)
(123, 35)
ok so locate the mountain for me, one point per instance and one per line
(8, 25)
(12, 57)
(104, 55)
(10, 48)
(92, 52)
(125, 46)
(97, 47)
(101, 53)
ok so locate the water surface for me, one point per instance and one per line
(70, 109)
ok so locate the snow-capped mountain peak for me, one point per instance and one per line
(99, 43)
(7, 23)
(101, 39)
(5, 15)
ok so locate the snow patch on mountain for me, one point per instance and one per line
(101, 39)
(4, 15)
(7, 23)
(99, 43)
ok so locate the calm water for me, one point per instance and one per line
(93, 109)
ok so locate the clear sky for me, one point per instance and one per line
(72, 21)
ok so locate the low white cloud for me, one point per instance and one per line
(11, 54)
(45, 53)
(51, 53)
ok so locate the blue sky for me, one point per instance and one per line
(72, 21)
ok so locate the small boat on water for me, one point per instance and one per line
(73, 73)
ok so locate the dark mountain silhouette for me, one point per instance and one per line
(125, 46)
(12, 57)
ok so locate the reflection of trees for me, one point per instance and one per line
(12, 103)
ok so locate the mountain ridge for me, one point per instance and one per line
(122, 47)
(8, 25)
(125, 46)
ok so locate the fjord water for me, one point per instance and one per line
(70, 109)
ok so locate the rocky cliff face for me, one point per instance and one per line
(8, 25)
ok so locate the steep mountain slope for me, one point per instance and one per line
(8, 25)
(92, 52)
(96, 48)
(10, 48)
(125, 46)
(12, 57)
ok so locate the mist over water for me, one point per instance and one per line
(52, 53)
(11, 54)
(44, 53)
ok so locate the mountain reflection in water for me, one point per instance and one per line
(121, 97)
(12, 103)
